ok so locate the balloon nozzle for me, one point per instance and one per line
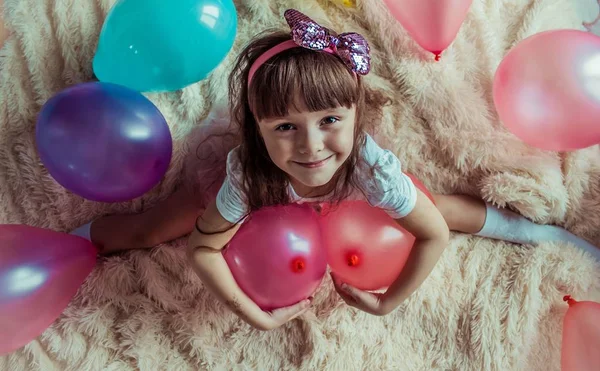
(353, 259)
(569, 299)
(298, 265)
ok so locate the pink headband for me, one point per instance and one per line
(350, 47)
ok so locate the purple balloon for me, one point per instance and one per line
(103, 141)
(40, 272)
(277, 257)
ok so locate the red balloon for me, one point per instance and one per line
(40, 272)
(276, 257)
(581, 336)
(365, 247)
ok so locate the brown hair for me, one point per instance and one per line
(321, 80)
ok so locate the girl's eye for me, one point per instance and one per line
(330, 120)
(284, 127)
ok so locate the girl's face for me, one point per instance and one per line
(310, 146)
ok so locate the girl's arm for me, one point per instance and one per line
(428, 226)
(431, 232)
(205, 254)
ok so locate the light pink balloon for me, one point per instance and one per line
(433, 24)
(547, 90)
(40, 272)
(581, 336)
(276, 256)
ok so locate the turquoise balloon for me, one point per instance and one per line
(161, 45)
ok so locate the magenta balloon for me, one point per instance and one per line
(276, 256)
(103, 142)
(40, 272)
(547, 90)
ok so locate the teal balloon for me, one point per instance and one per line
(161, 45)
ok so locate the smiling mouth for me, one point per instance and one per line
(315, 164)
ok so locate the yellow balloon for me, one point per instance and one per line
(347, 3)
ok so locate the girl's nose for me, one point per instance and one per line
(310, 142)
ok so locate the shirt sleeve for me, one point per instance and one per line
(387, 186)
(231, 200)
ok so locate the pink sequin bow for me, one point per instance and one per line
(351, 47)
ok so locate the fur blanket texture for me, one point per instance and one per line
(488, 305)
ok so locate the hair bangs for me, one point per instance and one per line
(302, 77)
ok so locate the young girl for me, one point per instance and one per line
(302, 112)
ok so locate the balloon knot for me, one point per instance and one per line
(353, 260)
(298, 265)
(438, 55)
(569, 299)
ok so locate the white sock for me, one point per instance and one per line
(83, 231)
(503, 224)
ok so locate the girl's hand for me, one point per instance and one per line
(280, 316)
(428, 226)
(369, 302)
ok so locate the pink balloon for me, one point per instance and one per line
(346, 231)
(581, 336)
(365, 247)
(547, 90)
(433, 24)
(276, 256)
(40, 272)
